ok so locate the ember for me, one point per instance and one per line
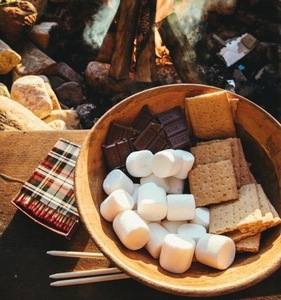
(112, 49)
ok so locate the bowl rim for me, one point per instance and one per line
(226, 287)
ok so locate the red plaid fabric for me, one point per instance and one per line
(48, 195)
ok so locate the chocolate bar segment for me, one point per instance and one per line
(119, 132)
(143, 118)
(175, 128)
(152, 138)
(116, 153)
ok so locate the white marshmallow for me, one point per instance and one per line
(202, 217)
(157, 235)
(180, 207)
(193, 231)
(187, 163)
(132, 231)
(138, 163)
(163, 182)
(135, 194)
(217, 251)
(176, 185)
(166, 163)
(116, 202)
(152, 202)
(115, 180)
(176, 253)
(172, 226)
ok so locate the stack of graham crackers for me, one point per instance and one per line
(221, 178)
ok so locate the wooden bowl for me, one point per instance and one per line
(261, 138)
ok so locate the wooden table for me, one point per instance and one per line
(24, 265)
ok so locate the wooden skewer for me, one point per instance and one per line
(78, 274)
(89, 279)
(74, 254)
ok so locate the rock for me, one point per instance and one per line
(56, 81)
(52, 94)
(88, 114)
(70, 94)
(31, 92)
(45, 35)
(14, 116)
(4, 90)
(68, 116)
(34, 61)
(58, 125)
(8, 58)
(64, 71)
(16, 20)
(97, 76)
(40, 6)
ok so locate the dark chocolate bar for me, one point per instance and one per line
(152, 138)
(119, 132)
(116, 153)
(143, 118)
(175, 128)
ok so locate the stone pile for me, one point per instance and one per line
(45, 41)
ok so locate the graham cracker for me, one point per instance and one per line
(245, 174)
(210, 115)
(205, 153)
(269, 218)
(213, 183)
(217, 150)
(237, 235)
(249, 244)
(243, 214)
(233, 102)
(269, 214)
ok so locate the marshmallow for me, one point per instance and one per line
(193, 231)
(202, 217)
(116, 202)
(187, 163)
(135, 194)
(176, 185)
(157, 235)
(132, 231)
(163, 182)
(172, 226)
(217, 251)
(152, 203)
(180, 207)
(166, 163)
(176, 253)
(138, 163)
(116, 179)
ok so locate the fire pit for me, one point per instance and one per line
(119, 48)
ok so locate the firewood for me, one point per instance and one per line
(145, 54)
(124, 45)
(181, 52)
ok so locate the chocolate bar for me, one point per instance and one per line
(116, 153)
(143, 118)
(118, 132)
(152, 138)
(175, 128)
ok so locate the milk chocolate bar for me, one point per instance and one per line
(175, 128)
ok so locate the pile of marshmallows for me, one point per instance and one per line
(155, 213)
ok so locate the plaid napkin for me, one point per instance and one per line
(48, 195)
